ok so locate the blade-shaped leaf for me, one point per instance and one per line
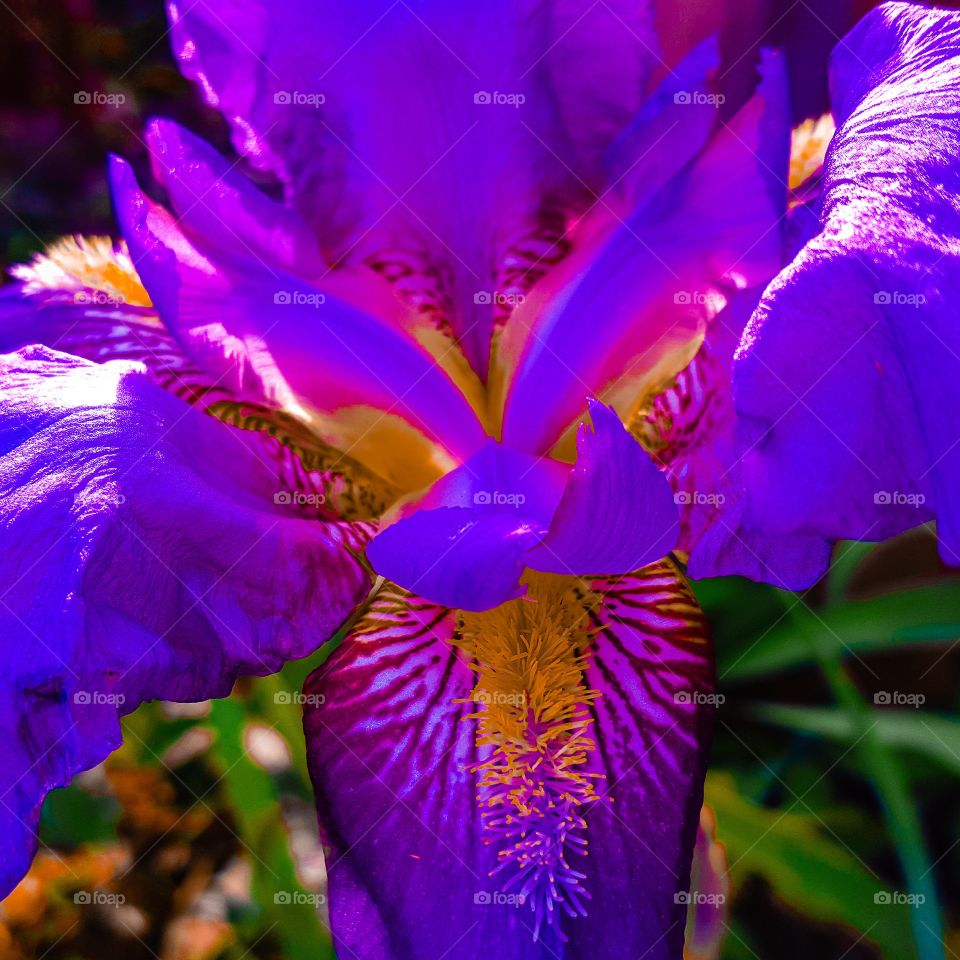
(927, 615)
(806, 867)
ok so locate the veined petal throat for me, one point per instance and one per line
(536, 781)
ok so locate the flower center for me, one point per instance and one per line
(534, 726)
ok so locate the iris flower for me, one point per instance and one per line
(452, 382)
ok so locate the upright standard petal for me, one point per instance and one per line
(617, 512)
(329, 352)
(144, 556)
(647, 271)
(410, 753)
(432, 134)
(846, 381)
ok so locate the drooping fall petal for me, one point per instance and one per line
(689, 427)
(145, 556)
(83, 297)
(399, 775)
(846, 380)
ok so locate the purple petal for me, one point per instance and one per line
(499, 479)
(212, 199)
(690, 426)
(666, 133)
(847, 377)
(729, 547)
(653, 666)
(517, 101)
(100, 323)
(641, 281)
(470, 538)
(144, 557)
(388, 746)
(470, 558)
(464, 544)
(329, 352)
(217, 205)
(391, 752)
(617, 513)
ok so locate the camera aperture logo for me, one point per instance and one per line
(497, 498)
(98, 898)
(697, 899)
(499, 698)
(98, 298)
(898, 898)
(699, 499)
(887, 498)
(699, 698)
(698, 298)
(98, 98)
(897, 698)
(485, 297)
(897, 298)
(699, 98)
(296, 698)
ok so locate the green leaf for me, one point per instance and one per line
(806, 867)
(928, 615)
(889, 779)
(72, 816)
(935, 736)
(289, 909)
